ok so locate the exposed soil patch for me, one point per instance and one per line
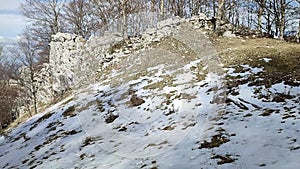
(153, 144)
(224, 159)
(286, 116)
(136, 101)
(69, 112)
(168, 128)
(82, 156)
(59, 134)
(111, 118)
(123, 128)
(90, 141)
(281, 97)
(44, 117)
(71, 132)
(216, 141)
(239, 104)
(248, 115)
(52, 126)
(22, 135)
(268, 112)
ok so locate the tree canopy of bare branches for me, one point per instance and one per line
(45, 19)
(89, 17)
(27, 52)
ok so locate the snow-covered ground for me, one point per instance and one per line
(162, 109)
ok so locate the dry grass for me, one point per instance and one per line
(16, 123)
(24, 117)
(285, 56)
(237, 50)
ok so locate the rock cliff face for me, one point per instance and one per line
(64, 58)
(75, 61)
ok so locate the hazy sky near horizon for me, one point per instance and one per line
(11, 21)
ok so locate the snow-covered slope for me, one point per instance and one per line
(168, 106)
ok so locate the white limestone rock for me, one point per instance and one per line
(74, 61)
(229, 34)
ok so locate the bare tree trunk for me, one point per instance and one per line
(233, 12)
(260, 14)
(124, 12)
(276, 16)
(298, 38)
(196, 7)
(55, 10)
(33, 85)
(237, 17)
(162, 9)
(269, 23)
(35, 102)
(230, 11)
(248, 14)
(152, 12)
(214, 8)
(282, 18)
(221, 11)
(178, 7)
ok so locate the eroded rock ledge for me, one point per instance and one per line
(75, 61)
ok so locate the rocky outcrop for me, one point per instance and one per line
(75, 61)
(229, 34)
(64, 57)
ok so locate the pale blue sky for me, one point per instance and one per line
(11, 21)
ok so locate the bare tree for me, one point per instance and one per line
(124, 8)
(281, 7)
(26, 51)
(221, 11)
(275, 15)
(261, 4)
(45, 19)
(195, 6)
(106, 12)
(80, 18)
(128, 10)
(298, 34)
(178, 7)
(162, 8)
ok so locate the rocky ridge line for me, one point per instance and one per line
(74, 61)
